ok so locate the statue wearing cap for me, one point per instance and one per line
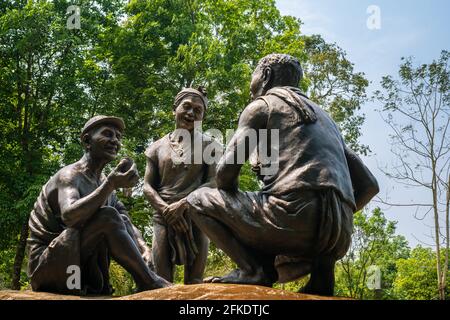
(78, 224)
(171, 175)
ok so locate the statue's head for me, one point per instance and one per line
(275, 70)
(101, 137)
(189, 106)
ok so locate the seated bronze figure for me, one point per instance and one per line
(78, 221)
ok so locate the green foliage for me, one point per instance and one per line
(417, 276)
(44, 98)
(6, 266)
(167, 45)
(293, 286)
(120, 280)
(374, 243)
(218, 263)
(335, 86)
(248, 180)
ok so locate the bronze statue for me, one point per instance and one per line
(171, 175)
(78, 221)
(301, 221)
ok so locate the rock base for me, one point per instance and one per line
(180, 292)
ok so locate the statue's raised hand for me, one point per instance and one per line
(125, 175)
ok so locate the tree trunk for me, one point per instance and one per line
(20, 254)
(25, 132)
(441, 287)
(447, 236)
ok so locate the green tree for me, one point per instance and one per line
(334, 85)
(416, 276)
(45, 95)
(374, 243)
(417, 109)
(166, 45)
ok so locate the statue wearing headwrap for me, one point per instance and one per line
(171, 175)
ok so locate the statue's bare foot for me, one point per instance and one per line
(209, 279)
(163, 283)
(238, 276)
(213, 279)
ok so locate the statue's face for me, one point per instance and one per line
(104, 142)
(189, 110)
(257, 83)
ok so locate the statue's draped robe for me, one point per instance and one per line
(303, 210)
(54, 252)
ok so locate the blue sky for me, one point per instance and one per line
(408, 28)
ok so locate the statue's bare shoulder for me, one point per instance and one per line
(153, 149)
(255, 115)
(69, 175)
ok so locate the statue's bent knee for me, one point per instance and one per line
(109, 216)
